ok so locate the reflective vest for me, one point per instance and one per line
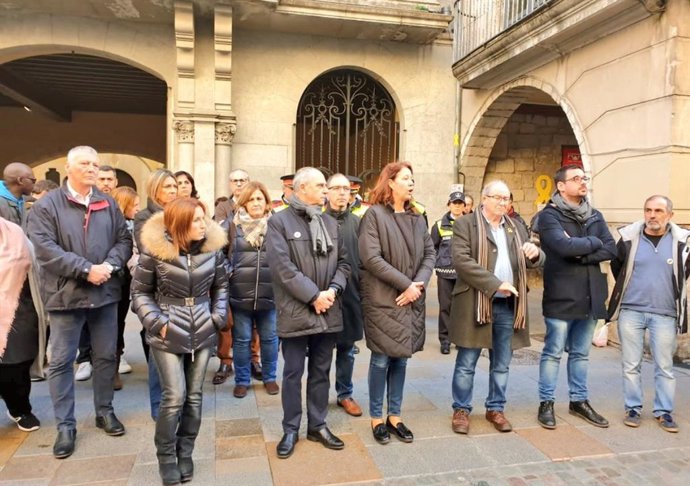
(443, 232)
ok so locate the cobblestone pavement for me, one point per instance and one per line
(237, 441)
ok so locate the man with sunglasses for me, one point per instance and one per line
(576, 241)
(18, 182)
(236, 181)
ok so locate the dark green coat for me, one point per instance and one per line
(463, 329)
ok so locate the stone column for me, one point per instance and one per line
(225, 133)
(184, 131)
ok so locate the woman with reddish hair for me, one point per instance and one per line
(180, 293)
(397, 257)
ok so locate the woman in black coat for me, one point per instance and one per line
(397, 257)
(180, 293)
(251, 289)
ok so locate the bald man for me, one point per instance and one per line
(18, 182)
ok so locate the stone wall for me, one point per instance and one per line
(527, 147)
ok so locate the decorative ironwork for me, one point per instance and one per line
(346, 122)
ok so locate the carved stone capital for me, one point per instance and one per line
(225, 132)
(184, 130)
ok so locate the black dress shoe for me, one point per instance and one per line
(257, 372)
(224, 371)
(381, 434)
(326, 438)
(186, 467)
(169, 473)
(445, 348)
(286, 446)
(546, 417)
(110, 424)
(64, 443)
(400, 431)
(584, 410)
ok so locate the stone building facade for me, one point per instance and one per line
(227, 78)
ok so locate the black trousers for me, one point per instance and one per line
(445, 297)
(318, 350)
(15, 387)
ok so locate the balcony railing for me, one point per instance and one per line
(478, 21)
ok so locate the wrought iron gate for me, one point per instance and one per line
(346, 122)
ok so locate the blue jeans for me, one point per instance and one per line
(241, 338)
(65, 329)
(182, 380)
(386, 374)
(344, 366)
(662, 341)
(575, 337)
(500, 355)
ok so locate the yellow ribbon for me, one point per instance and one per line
(544, 186)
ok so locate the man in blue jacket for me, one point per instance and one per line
(576, 241)
(81, 240)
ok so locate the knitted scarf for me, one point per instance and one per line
(581, 213)
(15, 261)
(484, 307)
(254, 229)
(320, 239)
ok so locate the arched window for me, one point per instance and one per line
(346, 122)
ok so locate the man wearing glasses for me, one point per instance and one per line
(18, 182)
(236, 182)
(576, 240)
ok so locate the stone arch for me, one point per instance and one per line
(347, 120)
(492, 117)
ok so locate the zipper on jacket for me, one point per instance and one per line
(191, 321)
(258, 269)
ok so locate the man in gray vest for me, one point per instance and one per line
(651, 270)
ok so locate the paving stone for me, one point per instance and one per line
(239, 447)
(88, 471)
(313, 464)
(237, 428)
(565, 442)
(250, 471)
(29, 468)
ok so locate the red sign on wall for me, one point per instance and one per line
(570, 155)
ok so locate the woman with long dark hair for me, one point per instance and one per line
(397, 257)
(180, 293)
(185, 185)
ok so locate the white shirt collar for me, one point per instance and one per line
(78, 197)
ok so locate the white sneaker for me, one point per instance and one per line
(83, 372)
(125, 367)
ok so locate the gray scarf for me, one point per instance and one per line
(580, 213)
(320, 239)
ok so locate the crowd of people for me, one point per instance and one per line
(309, 274)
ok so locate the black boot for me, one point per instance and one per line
(546, 417)
(170, 474)
(186, 467)
(584, 410)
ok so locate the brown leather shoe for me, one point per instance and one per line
(272, 388)
(240, 391)
(117, 382)
(350, 406)
(499, 420)
(461, 421)
(224, 371)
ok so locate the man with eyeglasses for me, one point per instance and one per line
(576, 241)
(284, 201)
(18, 182)
(337, 206)
(491, 255)
(236, 181)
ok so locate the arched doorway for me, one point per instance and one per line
(347, 122)
(522, 135)
(51, 103)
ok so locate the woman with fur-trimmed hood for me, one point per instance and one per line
(180, 293)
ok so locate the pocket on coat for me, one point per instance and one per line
(460, 287)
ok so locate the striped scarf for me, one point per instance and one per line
(484, 305)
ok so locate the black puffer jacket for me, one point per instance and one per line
(299, 275)
(142, 217)
(68, 238)
(395, 250)
(250, 283)
(162, 274)
(441, 235)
